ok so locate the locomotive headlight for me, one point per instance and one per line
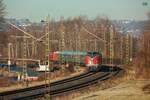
(90, 62)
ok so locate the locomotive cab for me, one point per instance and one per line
(93, 60)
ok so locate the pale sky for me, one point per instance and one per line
(35, 10)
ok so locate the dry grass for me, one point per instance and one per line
(146, 89)
(4, 82)
(128, 90)
(140, 66)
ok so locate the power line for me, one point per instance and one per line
(93, 34)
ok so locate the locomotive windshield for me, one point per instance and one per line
(92, 54)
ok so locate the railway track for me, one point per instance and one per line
(86, 74)
(59, 87)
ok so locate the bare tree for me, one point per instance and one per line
(3, 36)
(142, 64)
(146, 44)
(2, 13)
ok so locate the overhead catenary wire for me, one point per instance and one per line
(93, 34)
(26, 33)
(22, 31)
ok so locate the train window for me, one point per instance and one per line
(92, 54)
(95, 53)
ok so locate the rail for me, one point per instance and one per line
(61, 86)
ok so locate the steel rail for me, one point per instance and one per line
(76, 87)
(86, 74)
(26, 95)
(73, 78)
(58, 88)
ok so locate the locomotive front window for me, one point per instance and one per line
(92, 54)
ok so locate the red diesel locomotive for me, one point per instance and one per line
(90, 59)
(93, 60)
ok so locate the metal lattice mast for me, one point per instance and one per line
(111, 44)
(95, 45)
(33, 44)
(16, 50)
(24, 56)
(62, 33)
(12, 51)
(78, 40)
(131, 47)
(47, 42)
(127, 49)
(105, 47)
(9, 55)
(47, 50)
(62, 41)
(84, 45)
(121, 50)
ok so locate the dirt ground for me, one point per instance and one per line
(129, 90)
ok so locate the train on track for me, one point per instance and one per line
(92, 60)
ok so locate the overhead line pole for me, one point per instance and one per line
(111, 47)
(24, 63)
(47, 56)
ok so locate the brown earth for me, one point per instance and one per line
(129, 90)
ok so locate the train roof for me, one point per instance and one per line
(72, 52)
(82, 53)
(94, 52)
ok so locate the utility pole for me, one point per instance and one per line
(16, 49)
(95, 45)
(9, 62)
(121, 49)
(62, 33)
(84, 45)
(111, 45)
(127, 49)
(12, 51)
(33, 49)
(78, 39)
(24, 57)
(105, 48)
(47, 62)
(131, 47)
